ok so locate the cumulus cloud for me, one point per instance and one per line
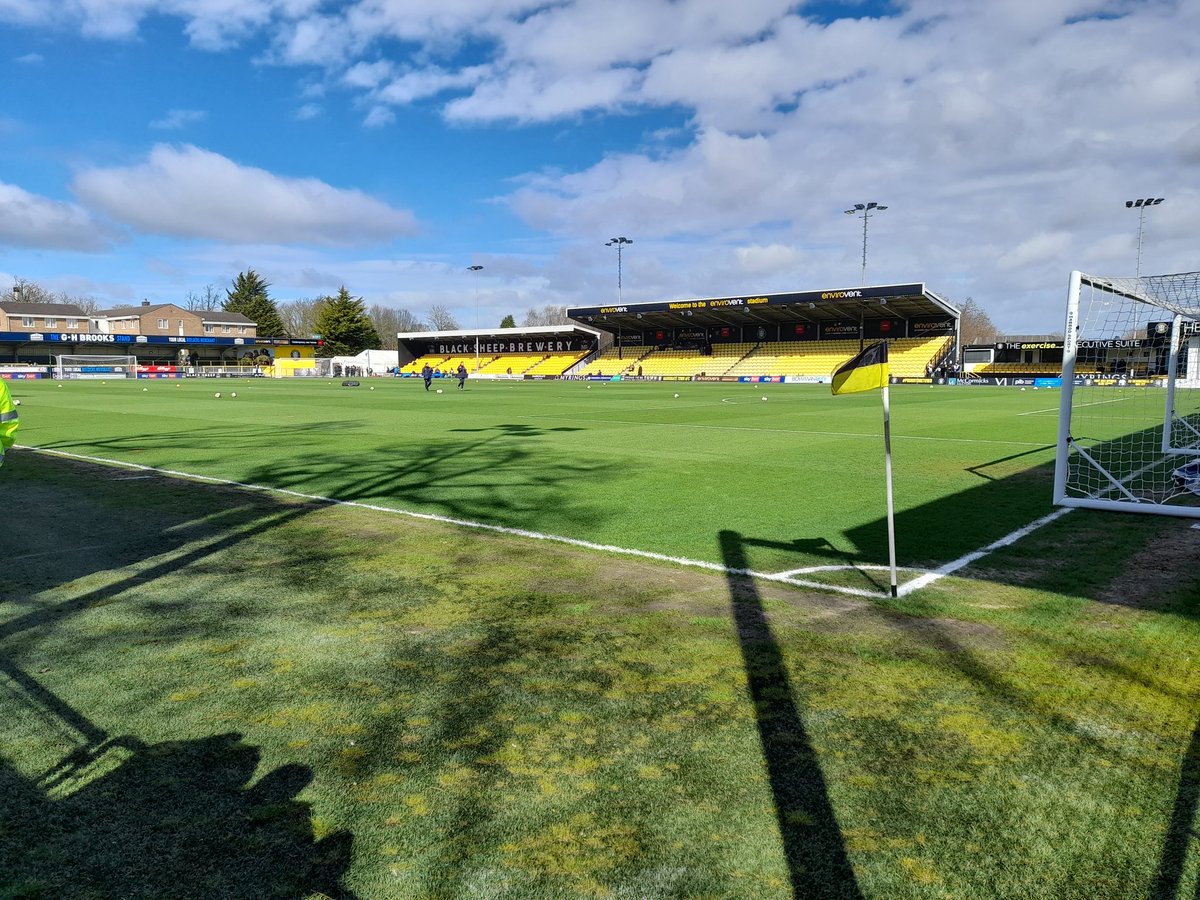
(27, 220)
(189, 192)
(1003, 136)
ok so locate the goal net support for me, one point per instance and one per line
(95, 366)
(1129, 417)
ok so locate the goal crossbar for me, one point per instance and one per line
(86, 366)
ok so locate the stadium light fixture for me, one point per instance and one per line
(620, 243)
(1141, 206)
(476, 270)
(865, 211)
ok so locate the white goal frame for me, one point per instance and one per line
(115, 366)
(1129, 433)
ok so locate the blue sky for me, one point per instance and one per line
(149, 148)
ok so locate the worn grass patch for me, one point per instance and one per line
(252, 697)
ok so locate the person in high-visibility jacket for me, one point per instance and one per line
(9, 420)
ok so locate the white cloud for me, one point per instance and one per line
(367, 75)
(1004, 136)
(179, 118)
(768, 260)
(30, 59)
(378, 117)
(308, 111)
(27, 220)
(189, 192)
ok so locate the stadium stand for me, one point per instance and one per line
(909, 357)
(610, 363)
(554, 364)
(517, 362)
(436, 361)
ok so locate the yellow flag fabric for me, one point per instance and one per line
(866, 372)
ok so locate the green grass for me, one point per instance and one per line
(210, 691)
(621, 464)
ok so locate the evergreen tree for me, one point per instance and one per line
(250, 298)
(508, 322)
(345, 327)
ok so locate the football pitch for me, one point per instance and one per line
(627, 465)
(563, 639)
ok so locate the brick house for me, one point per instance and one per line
(17, 316)
(169, 319)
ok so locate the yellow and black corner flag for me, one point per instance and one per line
(866, 372)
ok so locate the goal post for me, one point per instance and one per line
(73, 366)
(1129, 415)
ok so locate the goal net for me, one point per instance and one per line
(95, 366)
(1129, 419)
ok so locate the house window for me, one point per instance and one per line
(27, 321)
(208, 329)
(224, 329)
(241, 329)
(72, 324)
(52, 323)
(164, 324)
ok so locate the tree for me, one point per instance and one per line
(975, 325)
(547, 315)
(508, 322)
(441, 319)
(344, 326)
(27, 291)
(250, 298)
(389, 322)
(300, 316)
(208, 299)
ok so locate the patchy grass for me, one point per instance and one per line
(252, 697)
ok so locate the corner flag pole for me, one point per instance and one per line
(867, 371)
(891, 514)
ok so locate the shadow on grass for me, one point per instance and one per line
(812, 840)
(174, 819)
(501, 475)
(1183, 831)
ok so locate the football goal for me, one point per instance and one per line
(1129, 416)
(95, 366)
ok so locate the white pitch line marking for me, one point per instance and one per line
(952, 567)
(784, 577)
(462, 523)
(1054, 409)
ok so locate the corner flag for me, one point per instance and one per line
(865, 372)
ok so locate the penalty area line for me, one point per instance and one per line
(464, 523)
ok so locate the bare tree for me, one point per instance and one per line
(208, 299)
(26, 291)
(975, 325)
(389, 322)
(441, 319)
(300, 316)
(547, 315)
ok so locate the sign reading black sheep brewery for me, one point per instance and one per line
(510, 345)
